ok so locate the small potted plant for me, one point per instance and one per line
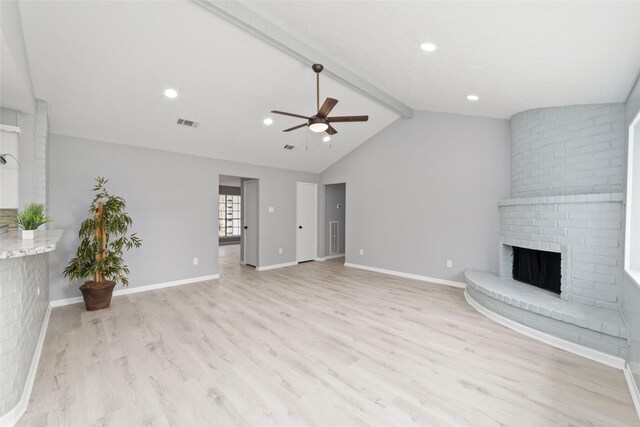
(103, 240)
(30, 218)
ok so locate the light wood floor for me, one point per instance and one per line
(315, 344)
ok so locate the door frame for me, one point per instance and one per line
(315, 222)
(244, 221)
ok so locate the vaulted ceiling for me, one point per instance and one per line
(103, 66)
(515, 55)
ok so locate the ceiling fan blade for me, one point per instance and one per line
(295, 127)
(331, 131)
(338, 119)
(326, 108)
(290, 114)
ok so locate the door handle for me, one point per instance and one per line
(300, 227)
(245, 227)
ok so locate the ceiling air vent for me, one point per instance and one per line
(289, 147)
(188, 123)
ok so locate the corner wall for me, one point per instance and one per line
(426, 190)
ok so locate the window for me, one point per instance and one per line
(632, 229)
(229, 216)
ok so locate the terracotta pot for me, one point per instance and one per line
(97, 296)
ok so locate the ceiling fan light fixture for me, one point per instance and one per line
(318, 125)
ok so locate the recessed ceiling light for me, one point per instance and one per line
(326, 139)
(171, 93)
(473, 97)
(268, 121)
(428, 47)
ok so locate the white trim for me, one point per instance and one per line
(272, 266)
(321, 259)
(10, 128)
(10, 418)
(409, 275)
(633, 388)
(629, 198)
(334, 256)
(571, 347)
(126, 291)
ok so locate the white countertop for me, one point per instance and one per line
(12, 245)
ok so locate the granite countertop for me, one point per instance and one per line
(12, 245)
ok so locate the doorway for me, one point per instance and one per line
(235, 209)
(334, 220)
(306, 217)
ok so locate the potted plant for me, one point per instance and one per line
(103, 240)
(30, 218)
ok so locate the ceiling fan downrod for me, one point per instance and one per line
(317, 68)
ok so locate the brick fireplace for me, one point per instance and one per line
(566, 198)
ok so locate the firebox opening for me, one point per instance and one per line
(537, 268)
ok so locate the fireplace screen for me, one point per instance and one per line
(538, 268)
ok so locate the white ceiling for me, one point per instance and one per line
(103, 66)
(514, 55)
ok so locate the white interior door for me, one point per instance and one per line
(250, 230)
(306, 214)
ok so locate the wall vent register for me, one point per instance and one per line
(537, 268)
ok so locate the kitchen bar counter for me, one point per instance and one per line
(12, 245)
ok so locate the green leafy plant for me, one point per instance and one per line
(103, 240)
(32, 217)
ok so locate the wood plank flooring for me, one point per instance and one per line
(316, 344)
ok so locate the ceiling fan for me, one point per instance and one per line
(321, 122)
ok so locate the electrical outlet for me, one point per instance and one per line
(449, 263)
(271, 209)
(280, 251)
(195, 261)
(361, 251)
(38, 291)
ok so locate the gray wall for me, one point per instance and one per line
(576, 149)
(631, 289)
(426, 190)
(334, 195)
(172, 199)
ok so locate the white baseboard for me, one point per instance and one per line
(409, 275)
(11, 418)
(272, 266)
(321, 259)
(633, 388)
(334, 256)
(571, 347)
(126, 291)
